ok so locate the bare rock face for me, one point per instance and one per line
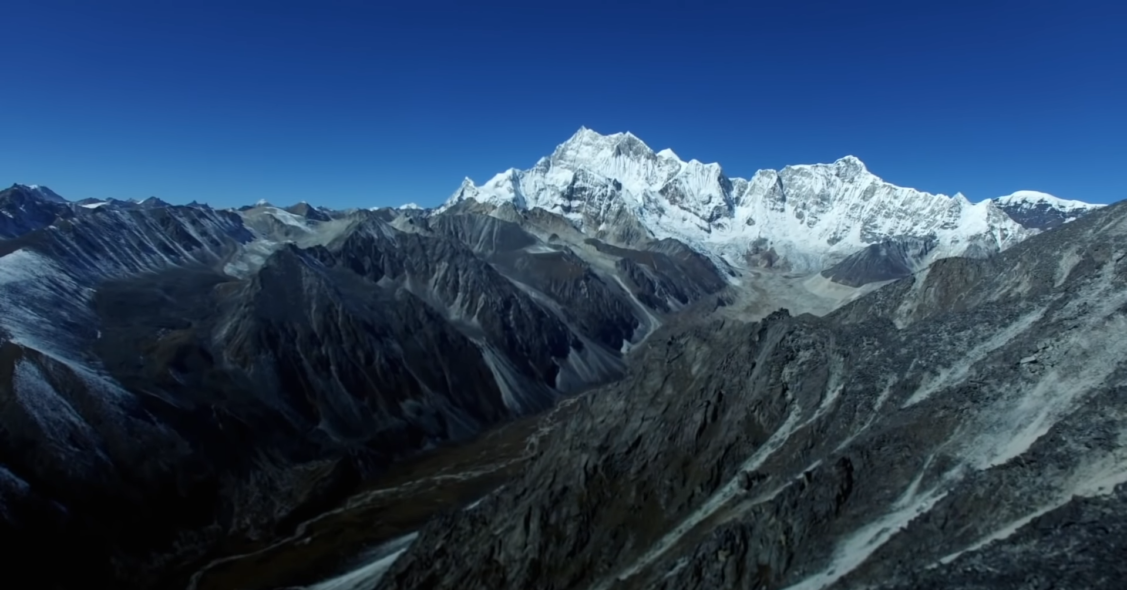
(961, 427)
(884, 261)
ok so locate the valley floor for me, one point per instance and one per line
(334, 545)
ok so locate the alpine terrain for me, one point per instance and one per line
(614, 369)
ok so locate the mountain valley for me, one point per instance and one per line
(615, 369)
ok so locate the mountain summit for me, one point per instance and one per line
(41, 192)
(1035, 209)
(803, 217)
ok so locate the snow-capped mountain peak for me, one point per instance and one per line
(1034, 198)
(851, 166)
(42, 192)
(802, 217)
(1038, 210)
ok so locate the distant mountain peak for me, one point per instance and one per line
(588, 145)
(304, 209)
(153, 202)
(1039, 210)
(1032, 198)
(41, 192)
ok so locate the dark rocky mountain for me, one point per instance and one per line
(178, 382)
(962, 427)
(308, 211)
(153, 203)
(25, 209)
(890, 259)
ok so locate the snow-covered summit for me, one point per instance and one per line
(803, 216)
(1038, 210)
(1035, 198)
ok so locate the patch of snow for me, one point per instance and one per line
(251, 258)
(289, 219)
(32, 292)
(54, 415)
(378, 562)
(650, 323)
(11, 487)
(44, 193)
(506, 376)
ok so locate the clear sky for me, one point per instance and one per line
(363, 103)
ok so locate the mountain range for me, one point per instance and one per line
(182, 387)
(801, 218)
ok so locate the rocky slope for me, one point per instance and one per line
(25, 208)
(178, 382)
(963, 427)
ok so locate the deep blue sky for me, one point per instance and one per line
(358, 103)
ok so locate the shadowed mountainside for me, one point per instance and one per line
(156, 410)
